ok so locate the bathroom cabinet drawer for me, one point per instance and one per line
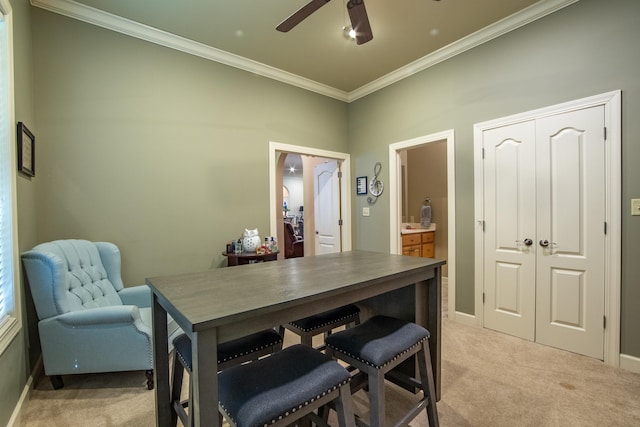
(428, 250)
(413, 250)
(411, 239)
(428, 237)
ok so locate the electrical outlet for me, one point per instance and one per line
(635, 206)
(365, 211)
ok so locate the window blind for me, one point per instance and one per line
(7, 289)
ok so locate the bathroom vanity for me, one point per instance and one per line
(419, 242)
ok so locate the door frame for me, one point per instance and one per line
(613, 180)
(395, 203)
(275, 188)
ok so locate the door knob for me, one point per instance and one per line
(544, 243)
(527, 242)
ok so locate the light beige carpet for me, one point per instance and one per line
(488, 379)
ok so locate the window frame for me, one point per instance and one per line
(12, 324)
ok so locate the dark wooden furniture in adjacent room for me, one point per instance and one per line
(293, 244)
(249, 258)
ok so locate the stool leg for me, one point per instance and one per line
(176, 387)
(376, 398)
(344, 408)
(306, 339)
(428, 385)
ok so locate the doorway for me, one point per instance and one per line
(397, 201)
(278, 152)
(547, 236)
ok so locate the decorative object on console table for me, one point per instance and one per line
(250, 240)
(26, 150)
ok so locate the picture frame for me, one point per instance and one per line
(361, 186)
(26, 150)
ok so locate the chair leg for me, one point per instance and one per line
(56, 381)
(149, 375)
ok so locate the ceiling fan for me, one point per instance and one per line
(357, 15)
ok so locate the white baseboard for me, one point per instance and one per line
(464, 318)
(630, 363)
(25, 392)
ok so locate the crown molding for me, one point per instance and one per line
(497, 29)
(131, 28)
(135, 29)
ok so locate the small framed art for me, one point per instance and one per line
(361, 185)
(26, 150)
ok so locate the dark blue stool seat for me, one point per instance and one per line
(378, 345)
(283, 388)
(231, 353)
(325, 322)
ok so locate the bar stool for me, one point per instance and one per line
(285, 387)
(377, 346)
(325, 322)
(230, 353)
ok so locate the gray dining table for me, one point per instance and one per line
(221, 304)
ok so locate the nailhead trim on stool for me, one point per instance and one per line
(325, 322)
(230, 353)
(378, 345)
(337, 316)
(284, 387)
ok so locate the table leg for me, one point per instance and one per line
(435, 326)
(161, 365)
(429, 315)
(204, 378)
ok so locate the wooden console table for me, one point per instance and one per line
(222, 304)
(249, 258)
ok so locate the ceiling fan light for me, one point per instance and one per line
(349, 33)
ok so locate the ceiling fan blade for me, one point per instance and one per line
(359, 21)
(300, 15)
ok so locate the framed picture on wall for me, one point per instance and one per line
(361, 185)
(26, 150)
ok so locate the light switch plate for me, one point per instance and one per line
(365, 211)
(635, 206)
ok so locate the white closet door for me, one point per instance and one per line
(570, 156)
(510, 229)
(544, 240)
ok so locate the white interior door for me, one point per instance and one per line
(571, 231)
(510, 230)
(327, 207)
(544, 252)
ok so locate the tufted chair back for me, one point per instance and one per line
(81, 275)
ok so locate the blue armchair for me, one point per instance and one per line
(88, 321)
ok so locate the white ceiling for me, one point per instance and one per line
(408, 35)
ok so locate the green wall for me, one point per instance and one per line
(162, 153)
(585, 49)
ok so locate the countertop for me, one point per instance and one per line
(416, 228)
